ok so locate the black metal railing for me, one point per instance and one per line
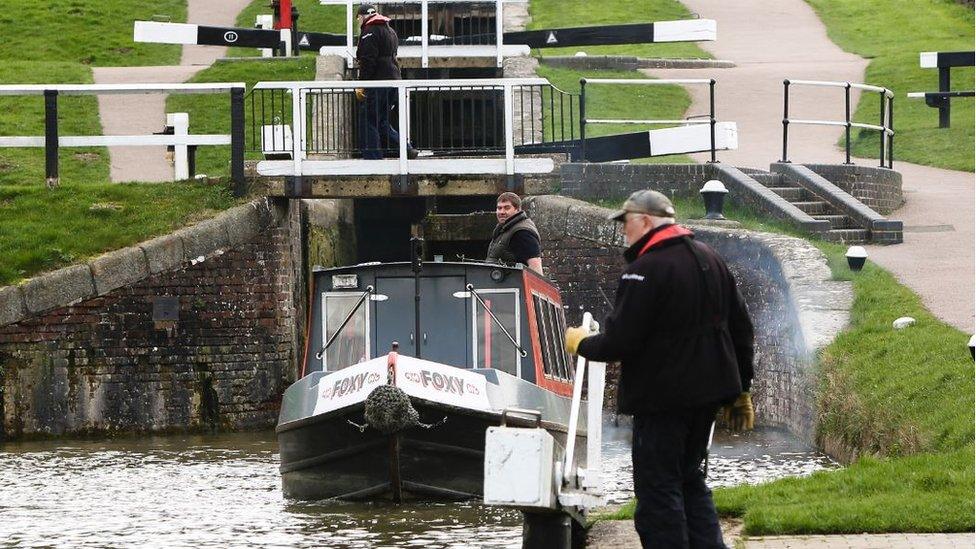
(885, 126)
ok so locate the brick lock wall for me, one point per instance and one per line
(105, 365)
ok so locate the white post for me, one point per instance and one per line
(568, 471)
(286, 38)
(265, 22)
(594, 424)
(404, 125)
(297, 128)
(509, 131)
(180, 122)
(349, 22)
(499, 31)
(424, 34)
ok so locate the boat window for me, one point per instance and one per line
(540, 312)
(352, 345)
(551, 324)
(492, 348)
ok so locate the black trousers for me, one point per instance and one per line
(674, 506)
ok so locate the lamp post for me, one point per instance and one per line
(713, 193)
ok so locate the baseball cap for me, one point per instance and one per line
(366, 9)
(645, 202)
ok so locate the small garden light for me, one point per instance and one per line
(713, 193)
(855, 257)
(972, 347)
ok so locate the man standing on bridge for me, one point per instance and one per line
(376, 55)
(681, 332)
(515, 238)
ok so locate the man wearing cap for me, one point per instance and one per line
(376, 56)
(515, 238)
(681, 332)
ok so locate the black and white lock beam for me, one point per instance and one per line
(691, 30)
(202, 35)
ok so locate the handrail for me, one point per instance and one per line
(449, 82)
(52, 141)
(424, 18)
(885, 127)
(647, 82)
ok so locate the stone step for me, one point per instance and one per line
(793, 194)
(770, 179)
(837, 221)
(848, 236)
(814, 207)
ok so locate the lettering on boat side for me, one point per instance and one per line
(438, 382)
(350, 385)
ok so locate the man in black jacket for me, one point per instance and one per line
(684, 339)
(376, 55)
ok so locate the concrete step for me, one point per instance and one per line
(793, 194)
(771, 179)
(848, 236)
(837, 221)
(814, 207)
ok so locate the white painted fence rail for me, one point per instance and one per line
(181, 139)
(301, 165)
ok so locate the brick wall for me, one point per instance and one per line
(878, 188)
(785, 281)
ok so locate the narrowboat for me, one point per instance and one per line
(407, 364)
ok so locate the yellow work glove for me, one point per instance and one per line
(360, 95)
(739, 415)
(573, 337)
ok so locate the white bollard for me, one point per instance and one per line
(265, 22)
(180, 122)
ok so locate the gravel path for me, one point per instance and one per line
(145, 114)
(770, 41)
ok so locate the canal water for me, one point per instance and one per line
(224, 491)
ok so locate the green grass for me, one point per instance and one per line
(620, 102)
(24, 116)
(91, 32)
(550, 14)
(891, 33)
(42, 229)
(903, 399)
(209, 113)
(312, 17)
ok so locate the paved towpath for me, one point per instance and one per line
(145, 114)
(770, 41)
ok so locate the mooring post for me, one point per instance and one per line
(237, 141)
(51, 138)
(546, 531)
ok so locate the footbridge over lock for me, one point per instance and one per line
(466, 137)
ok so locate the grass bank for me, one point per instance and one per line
(899, 402)
(891, 33)
(553, 14)
(82, 31)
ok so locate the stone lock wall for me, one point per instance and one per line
(198, 329)
(794, 305)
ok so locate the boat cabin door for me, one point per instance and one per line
(443, 327)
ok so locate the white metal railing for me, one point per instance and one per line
(299, 164)
(425, 50)
(885, 126)
(52, 141)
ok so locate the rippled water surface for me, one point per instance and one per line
(224, 491)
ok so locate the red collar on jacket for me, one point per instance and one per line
(376, 19)
(659, 236)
